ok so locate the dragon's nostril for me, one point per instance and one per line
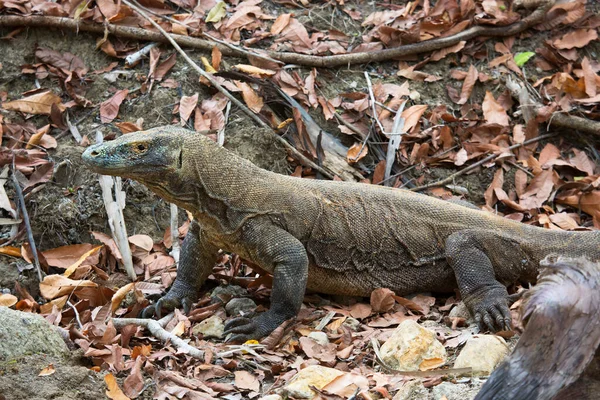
(94, 153)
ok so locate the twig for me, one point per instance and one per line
(471, 167)
(73, 129)
(114, 211)
(21, 199)
(135, 57)
(373, 105)
(394, 143)
(221, 89)
(76, 314)
(175, 247)
(339, 60)
(157, 330)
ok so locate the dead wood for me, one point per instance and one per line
(562, 317)
(539, 7)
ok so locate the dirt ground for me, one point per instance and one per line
(69, 207)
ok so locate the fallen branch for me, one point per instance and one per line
(530, 109)
(471, 167)
(540, 8)
(157, 329)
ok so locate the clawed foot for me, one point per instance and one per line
(489, 307)
(169, 302)
(242, 329)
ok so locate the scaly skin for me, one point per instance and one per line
(331, 237)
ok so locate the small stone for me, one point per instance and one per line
(413, 389)
(319, 337)
(210, 327)
(414, 95)
(271, 397)
(352, 323)
(225, 293)
(314, 375)
(460, 311)
(240, 306)
(482, 353)
(412, 347)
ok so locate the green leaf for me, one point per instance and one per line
(522, 58)
(216, 13)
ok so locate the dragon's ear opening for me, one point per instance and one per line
(180, 162)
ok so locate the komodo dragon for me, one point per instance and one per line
(330, 237)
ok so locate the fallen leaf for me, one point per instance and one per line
(109, 109)
(119, 295)
(38, 103)
(360, 310)
(114, 392)
(468, 85)
(57, 285)
(251, 98)
(187, 104)
(8, 300)
(356, 152)
(65, 256)
(49, 370)
(493, 112)
(80, 261)
(382, 300)
(522, 58)
(246, 381)
(576, 39)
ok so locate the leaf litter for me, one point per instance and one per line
(554, 185)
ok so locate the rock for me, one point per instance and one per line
(210, 327)
(482, 353)
(455, 391)
(352, 323)
(412, 389)
(240, 306)
(271, 397)
(225, 293)
(314, 375)
(24, 333)
(460, 311)
(412, 348)
(319, 337)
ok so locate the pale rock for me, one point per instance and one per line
(240, 306)
(352, 323)
(413, 389)
(412, 347)
(482, 353)
(460, 311)
(210, 327)
(455, 391)
(319, 337)
(314, 375)
(271, 397)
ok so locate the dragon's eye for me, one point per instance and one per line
(140, 147)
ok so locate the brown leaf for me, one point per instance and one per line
(590, 77)
(109, 109)
(382, 300)
(251, 98)
(215, 59)
(280, 23)
(356, 152)
(246, 381)
(114, 392)
(461, 157)
(143, 241)
(493, 111)
(548, 154)
(468, 84)
(38, 103)
(8, 300)
(57, 285)
(582, 162)
(187, 105)
(163, 68)
(360, 310)
(36, 138)
(576, 39)
(49, 370)
(65, 256)
(80, 260)
(497, 182)
(134, 384)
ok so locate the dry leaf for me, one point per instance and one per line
(80, 261)
(252, 70)
(493, 112)
(65, 256)
(8, 300)
(356, 152)
(114, 392)
(49, 370)
(251, 98)
(246, 381)
(119, 295)
(187, 104)
(38, 103)
(468, 85)
(36, 138)
(382, 300)
(109, 109)
(57, 285)
(576, 39)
